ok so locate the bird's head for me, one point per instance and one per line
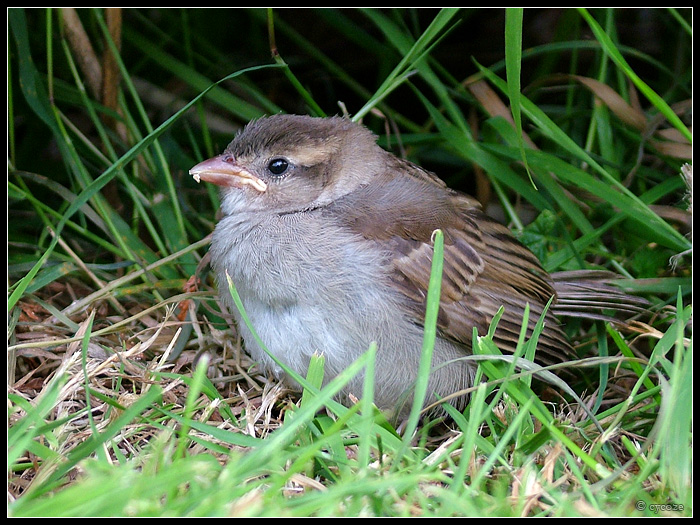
(290, 163)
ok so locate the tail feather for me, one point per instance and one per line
(593, 294)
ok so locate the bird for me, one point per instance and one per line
(327, 238)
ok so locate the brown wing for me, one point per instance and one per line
(485, 267)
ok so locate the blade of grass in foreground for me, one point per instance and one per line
(90, 446)
(21, 433)
(676, 414)
(429, 336)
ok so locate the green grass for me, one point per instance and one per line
(128, 393)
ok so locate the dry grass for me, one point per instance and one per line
(132, 346)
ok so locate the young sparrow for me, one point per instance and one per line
(327, 238)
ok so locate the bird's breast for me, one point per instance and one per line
(307, 286)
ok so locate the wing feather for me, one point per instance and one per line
(484, 267)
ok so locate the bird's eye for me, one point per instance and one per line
(278, 166)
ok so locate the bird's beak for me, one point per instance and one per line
(222, 170)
